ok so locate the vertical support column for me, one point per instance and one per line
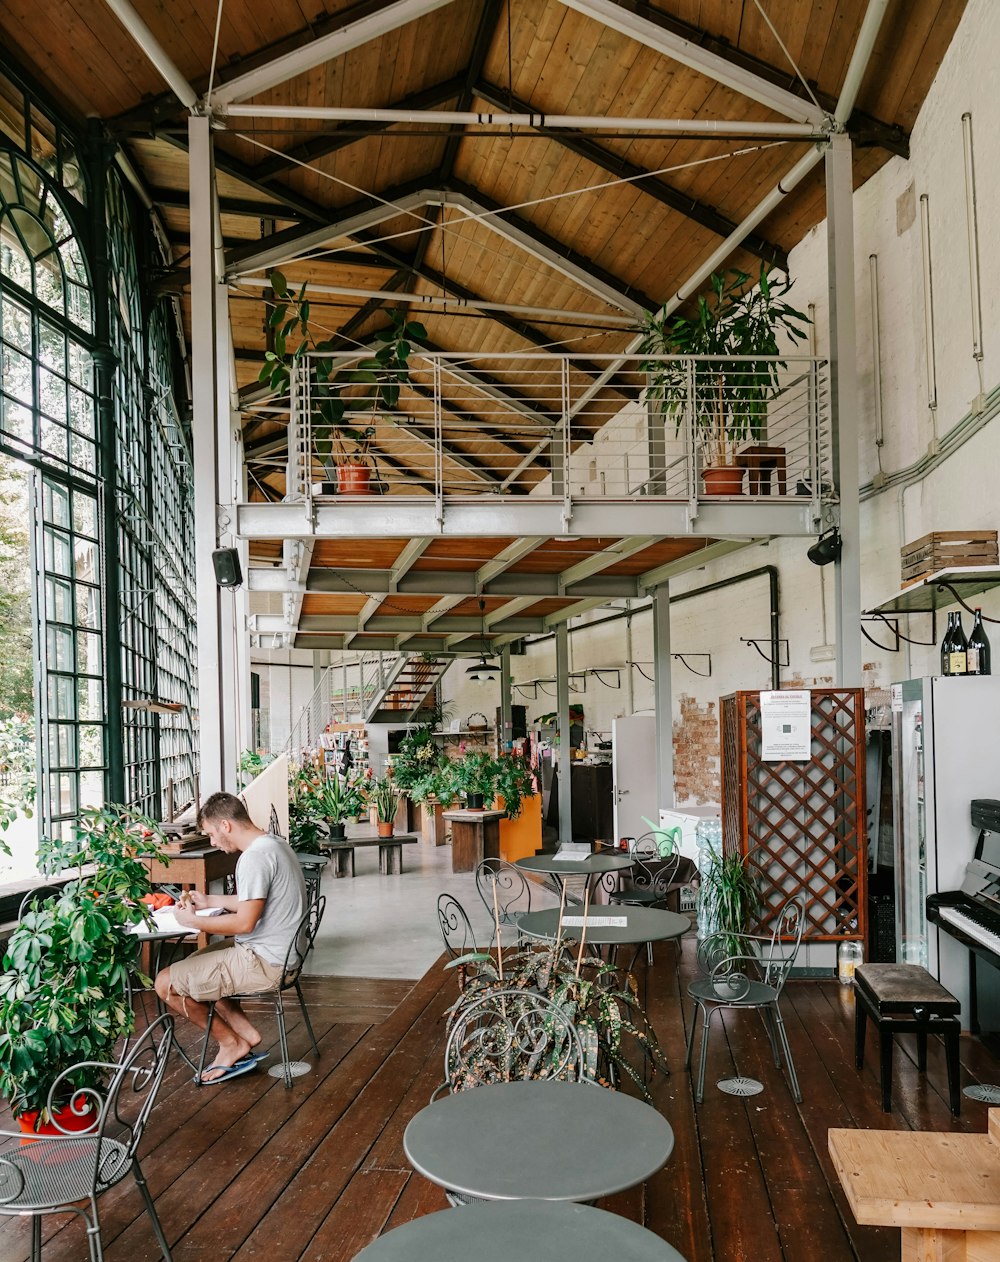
(505, 736)
(204, 347)
(844, 405)
(663, 697)
(562, 708)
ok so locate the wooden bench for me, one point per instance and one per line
(390, 853)
(905, 999)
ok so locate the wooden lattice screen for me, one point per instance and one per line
(802, 823)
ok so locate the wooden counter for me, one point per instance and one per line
(941, 1188)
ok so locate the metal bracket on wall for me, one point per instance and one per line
(577, 683)
(948, 587)
(898, 637)
(782, 650)
(682, 658)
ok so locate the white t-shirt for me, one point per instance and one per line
(268, 869)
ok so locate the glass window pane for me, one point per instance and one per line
(81, 412)
(92, 788)
(15, 324)
(90, 698)
(16, 375)
(56, 503)
(51, 347)
(52, 395)
(58, 553)
(58, 599)
(84, 515)
(17, 421)
(59, 642)
(89, 659)
(62, 697)
(91, 745)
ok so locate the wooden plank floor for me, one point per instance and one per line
(249, 1170)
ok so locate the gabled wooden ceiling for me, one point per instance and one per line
(527, 216)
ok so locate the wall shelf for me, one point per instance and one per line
(934, 591)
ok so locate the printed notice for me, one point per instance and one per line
(786, 726)
(595, 922)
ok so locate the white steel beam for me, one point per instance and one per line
(663, 698)
(860, 57)
(154, 51)
(646, 32)
(204, 434)
(413, 551)
(328, 47)
(510, 555)
(436, 610)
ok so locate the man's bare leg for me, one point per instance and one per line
(234, 1043)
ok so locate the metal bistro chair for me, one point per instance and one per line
(456, 930)
(513, 892)
(506, 1036)
(312, 870)
(60, 1174)
(647, 883)
(40, 894)
(298, 949)
(748, 970)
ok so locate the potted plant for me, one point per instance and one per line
(728, 898)
(338, 800)
(513, 781)
(384, 796)
(729, 395)
(65, 995)
(474, 775)
(307, 828)
(349, 402)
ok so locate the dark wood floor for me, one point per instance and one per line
(249, 1170)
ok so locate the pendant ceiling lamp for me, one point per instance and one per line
(483, 671)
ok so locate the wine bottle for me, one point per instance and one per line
(978, 651)
(958, 651)
(946, 646)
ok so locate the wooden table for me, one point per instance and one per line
(193, 870)
(941, 1188)
(475, 835)
(390, 852)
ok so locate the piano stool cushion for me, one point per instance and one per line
(906, 999)
(899, 988)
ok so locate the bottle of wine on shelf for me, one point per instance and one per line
(946, 646)
(958, 652)
(978, 651)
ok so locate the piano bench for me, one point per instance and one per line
(905, 999)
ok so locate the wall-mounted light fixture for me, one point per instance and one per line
(827, 547)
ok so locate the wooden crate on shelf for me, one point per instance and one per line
(945, 549)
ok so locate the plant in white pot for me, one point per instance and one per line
(349, 402)
(739, 323)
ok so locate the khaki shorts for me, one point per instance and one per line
(224, 968)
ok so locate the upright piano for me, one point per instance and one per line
(971, 915)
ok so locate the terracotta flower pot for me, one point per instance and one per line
(385, 828)
(723, 479)
(67, 1122)
(354, 479)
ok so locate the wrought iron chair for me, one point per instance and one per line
(298, 949)
(748, 970)
(512, 891)
(456, 930)
(647, 883)
(312, 870)
(66, 1173)
(40, 894)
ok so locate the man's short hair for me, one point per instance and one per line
(224, 806)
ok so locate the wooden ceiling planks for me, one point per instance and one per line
(460, 556)
(333, 604)
(363, 554)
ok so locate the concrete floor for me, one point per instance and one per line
(387, 926)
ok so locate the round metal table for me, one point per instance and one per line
(592, 865)
(545, 1141)
(503, 1233)
(642, 924)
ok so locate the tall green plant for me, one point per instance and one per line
(737, 316)
(729, 900)
(65, 991)
(347, 400)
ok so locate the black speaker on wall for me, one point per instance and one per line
(226, 562)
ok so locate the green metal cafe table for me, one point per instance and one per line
(517, 1233)
(538, 1140)
(607, 926)
(590, 866)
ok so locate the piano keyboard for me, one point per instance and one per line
(971, 927)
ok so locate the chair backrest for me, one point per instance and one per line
(513, 891)
(733, 960)
(651, 871)
(509, 1035)
(456, 928)
(40, 894)
(302, 943)
(123, 1110)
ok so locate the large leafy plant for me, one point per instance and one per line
(728, 897)
(737, 316)
(348, 400)
(66, 989)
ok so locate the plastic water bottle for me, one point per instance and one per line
(849, 956)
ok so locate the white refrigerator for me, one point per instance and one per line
(945, 753)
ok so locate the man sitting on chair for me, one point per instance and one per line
(258, 923)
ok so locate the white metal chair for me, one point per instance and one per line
(747, 970)
(65, 1173)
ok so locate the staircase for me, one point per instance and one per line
(407, 688)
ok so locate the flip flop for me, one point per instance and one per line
(252, 1058)
(230, 1071)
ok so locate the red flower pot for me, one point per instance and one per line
(67, 1121)
(723, 479)
(385, 828)
(354, 479)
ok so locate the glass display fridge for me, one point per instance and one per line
(945, 752)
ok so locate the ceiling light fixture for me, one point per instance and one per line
(483, 671)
